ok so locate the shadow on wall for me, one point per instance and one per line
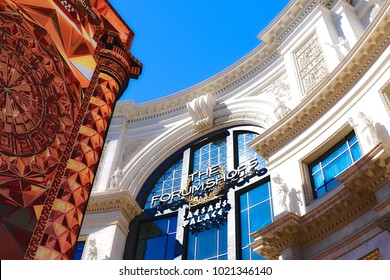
(382, 132)
(295, 201)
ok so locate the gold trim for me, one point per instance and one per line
(374, 255)
(212, 195)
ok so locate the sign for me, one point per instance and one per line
(207, 217)
(204, 186)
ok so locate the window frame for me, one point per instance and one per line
(237, 195)
(146, 219)
(186, 154)
(304, 163)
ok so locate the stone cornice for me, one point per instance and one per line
(114, 201)
(235, 75)
(292, 15)
(361, 181)
(370, 172)
(301, 232)
(331, 89)
(228, 79)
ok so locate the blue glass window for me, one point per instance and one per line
(157, 240)
(212, 154)
(327, 167)
(168, 183)
(78, 253)
(255, 213)
(244, 152)
(210, 244)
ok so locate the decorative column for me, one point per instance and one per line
(61, 219)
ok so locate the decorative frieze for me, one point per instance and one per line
(334, 87)
(131, 148)
(384, 222)
(114, 201)
(311, 64)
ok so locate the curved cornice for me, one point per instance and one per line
(114, 200)
(372, 43)
(246, 111)
(232, 77)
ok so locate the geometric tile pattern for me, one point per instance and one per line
(66, 215)
(57, 92)
(38, 101)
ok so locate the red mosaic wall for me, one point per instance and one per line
(53, 119)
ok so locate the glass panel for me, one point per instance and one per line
(245, 153)
(157, 240)
(330, 165)
(167, 183)
(244, 201)
(334, 152)
(318, 180)
(150, 250)
(255, 256)
(208, 244)
(246, 253)
(222, 235)
(78, 253)
(258, 194)
(254, 216)
(336, 167)
(244, 228)
(356, 152)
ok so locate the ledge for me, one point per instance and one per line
(360, 181)
(114, 201)
(327, 93)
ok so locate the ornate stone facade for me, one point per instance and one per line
(305, 99)
(311, 63)
(54, 117)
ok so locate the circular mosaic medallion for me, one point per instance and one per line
(29, 106)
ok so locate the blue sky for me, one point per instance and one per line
(183, 42)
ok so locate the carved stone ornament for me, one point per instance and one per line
(115, 178)
(374, 12)
(343, 45)
(311, 63)
(92, 250)
(279, 88)
(365, 130)
(384, 222)
(283, 191)
(201, 110)
(281, 109)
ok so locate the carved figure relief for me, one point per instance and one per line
(92, 250)
(201, 110)
(282, 190)
(115, 178)
(281, 109)
(374, 12)
(342, 45)
(365, 130)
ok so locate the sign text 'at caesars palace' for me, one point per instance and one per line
(209, 183)
(207, 217)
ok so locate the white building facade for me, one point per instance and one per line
(283, 155)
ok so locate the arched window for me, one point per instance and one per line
(216, 185)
